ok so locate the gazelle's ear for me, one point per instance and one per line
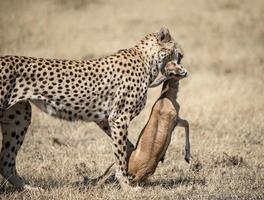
(164, 35)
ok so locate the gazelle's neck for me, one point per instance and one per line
(170, 89)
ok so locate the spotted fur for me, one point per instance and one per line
(110, 91)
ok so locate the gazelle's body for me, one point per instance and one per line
(156, 136)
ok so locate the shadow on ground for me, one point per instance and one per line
(174, 183)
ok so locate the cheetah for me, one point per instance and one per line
(109, 91)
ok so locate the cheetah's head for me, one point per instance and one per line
(158, 49)
(167, 49)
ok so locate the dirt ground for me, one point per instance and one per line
(223, 98)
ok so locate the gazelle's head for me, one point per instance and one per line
(175, 71)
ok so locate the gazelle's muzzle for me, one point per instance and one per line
(181, 73)
(174, 69)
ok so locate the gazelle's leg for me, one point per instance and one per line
(185, 124)
(110, 171)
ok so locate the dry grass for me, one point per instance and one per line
(223, 97)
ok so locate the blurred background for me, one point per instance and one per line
(223, 98)
(219, 35)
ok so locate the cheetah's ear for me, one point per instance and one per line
(164, 35)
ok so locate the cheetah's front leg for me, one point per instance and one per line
(104, 125)
(118, 125)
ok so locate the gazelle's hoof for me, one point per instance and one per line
(187, 155)
(187, 159)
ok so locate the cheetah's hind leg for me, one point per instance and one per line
(14, 124)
